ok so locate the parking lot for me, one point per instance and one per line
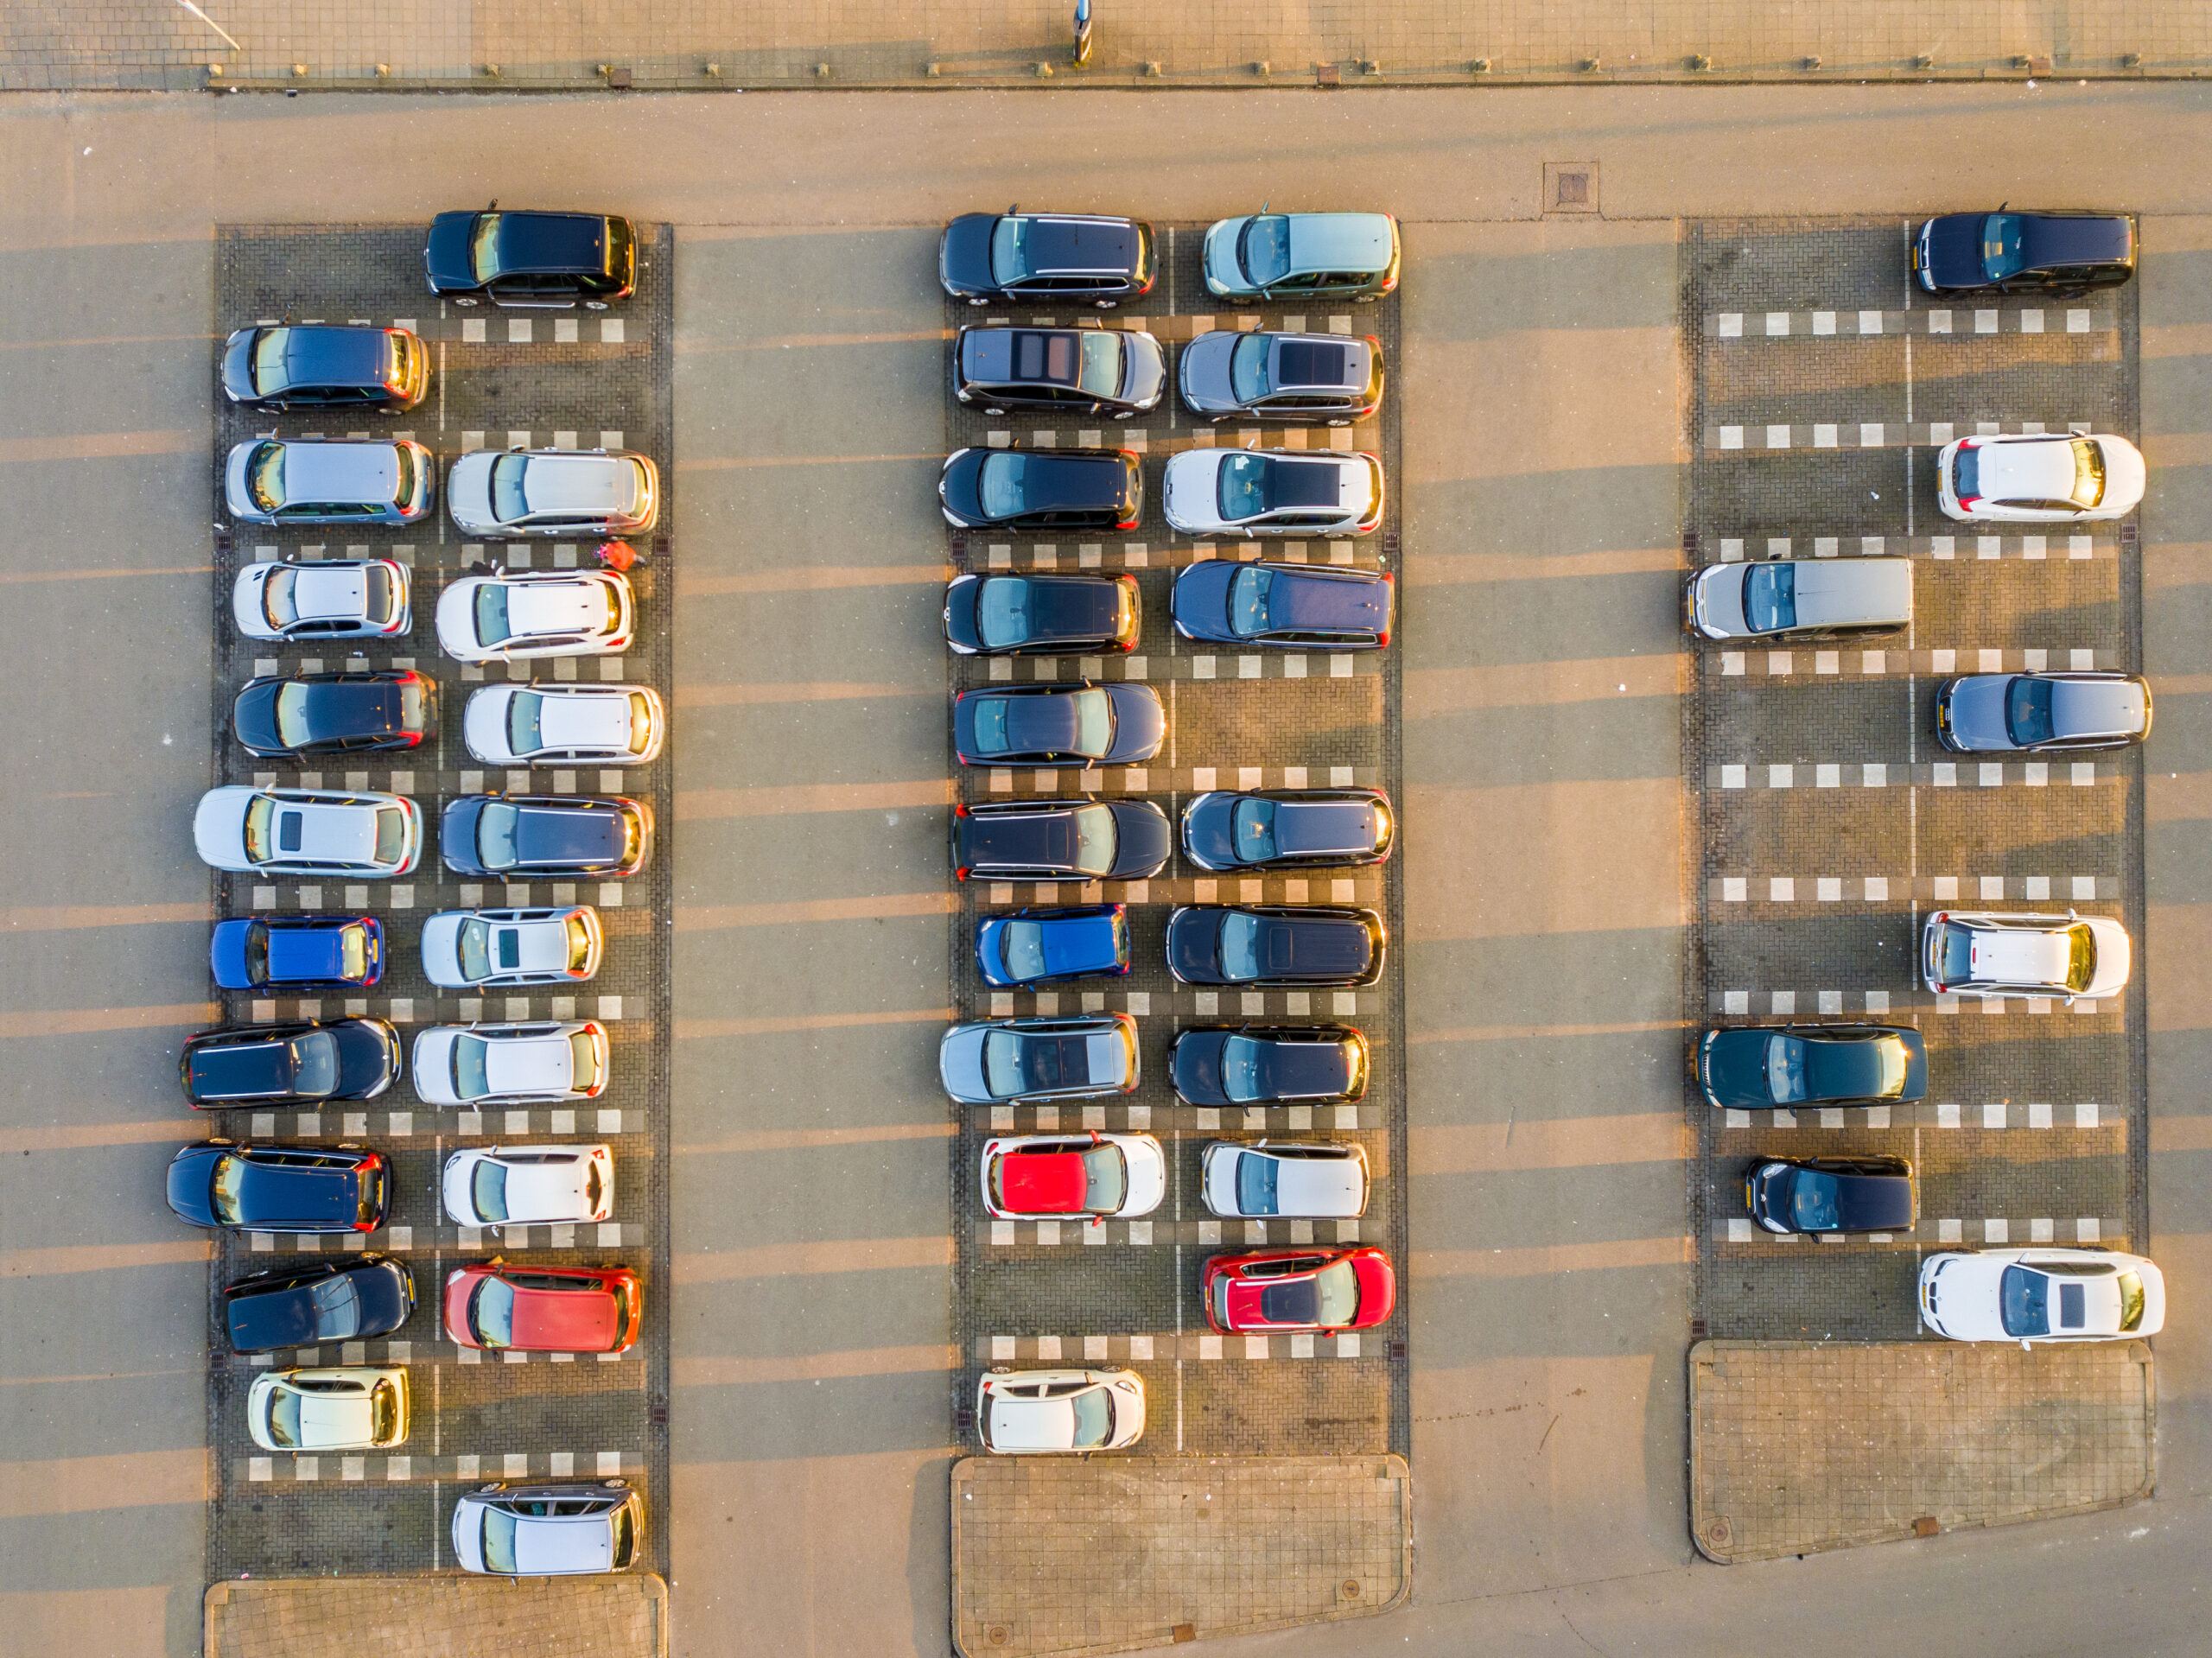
(1126, 1294)
(1832, 821)
(500, 379)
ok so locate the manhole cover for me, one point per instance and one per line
(1351, 1589)
(1719, 1534)
(1573, 189)
(1000, 1635)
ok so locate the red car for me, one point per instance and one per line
(544, 1309)
(1298, 1290)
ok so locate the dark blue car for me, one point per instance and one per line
(296, 1063)
(1273, 944)
(516, 836)
(1042, 946)
(330, 1301)
(1832, 1194)
(1750, 1067)
(1312, 607)
(278, 1188)
(1081, 724)
(297, 952)
(2064, 252)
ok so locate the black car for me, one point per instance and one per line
(1113, 372)
(1832, 1194)
(317, 366)
(279, 1188)
(1072, 257)
(1051, 615)
(330, 1302)
(2038, 712)
(1254, 944)
(1082, 724)
(282, 717)
(532, 261)
(1060, 840)
(1255, 1064)
(516, 836)
(1750, 1067)
(1315, 607)
(1042, 489)
(2003, 253)
(297, 1063)
(1287, 829)
(1316, 380)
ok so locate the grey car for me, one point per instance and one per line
(267, 480)
(1784, 599)
(1317, 379)
(549, 1531)
(1112, 372)
(1303, 256)
(994, 1062)
(2030, 713)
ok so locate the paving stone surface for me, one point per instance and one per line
(448, 1617)
(1070, 1558)
(1801, 1446)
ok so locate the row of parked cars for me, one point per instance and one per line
(514, 260)
(2030, 1295)
(1309, 379)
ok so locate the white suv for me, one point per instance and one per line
(571, 492)
(2039, 478)
(2077, 957)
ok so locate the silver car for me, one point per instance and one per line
(467, 950)
(512, 615)
(323, 599)
(2039, 712)
(330, 832)
(1315, 380)
(569, 492)
(549, 1531)
(270, 481)
(1269, 1179)
(558, 724)
(1784, 599)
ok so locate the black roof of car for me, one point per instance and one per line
(1866, 1201)
(1022, 356)
(2049, 239)
(1300, 600)
(330, 1301)
(1059, 246)
(1308, 828)
(251, 1063)
(329, 706)
(1063, 481)
(1311, 363)
(548, 833)
(323, 355)
(1302, 483)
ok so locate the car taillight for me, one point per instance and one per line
(1969, 500)
(960, 811)
(960, 874)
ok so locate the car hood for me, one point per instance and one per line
(960, 598)
(1193, 937)
(1717, 595)
(1144, 373)
(1220, 263)
(1143, 840)
(1200, 599)
(1732, 1066)
(956, 487)
(253, 715)
(960, 1064)
(2115, 956)
(446, 255)
(964, 253)
(226, 953)
(218, 826)
(1955, 250)
(1202, 372)
(1977, 711)
(1140, 723)
(1147, 1170)
(2124, 474)
(237, 365)
(190, 1172)
(1196, 1062)
(433, 1065)
(468, 491)
(1209, 824)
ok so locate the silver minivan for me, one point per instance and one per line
(1800, 598)
(272, 480)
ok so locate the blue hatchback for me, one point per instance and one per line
(1041, 946)
(304, 952)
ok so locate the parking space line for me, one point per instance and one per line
(1782, 664)
(2008, 317)
(1746, 778)
(1906, 887)
(2048, 546)
(1750, 437)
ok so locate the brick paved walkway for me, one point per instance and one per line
(1800, 1447)
(157, 43)
(1069, 1558)
(437, 1617)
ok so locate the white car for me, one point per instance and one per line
(515, 615)
(1032, 1412)
(2077, 957)
(307, 832)
(529, 1185)
(571, 492)
(523, 1063)
(549, 1531)
(548, 725)
(1272, 492)
(466, 950)
(1090, 1177)
(1308, 1179)
(2039, 478)
(323, 599)
(2041, 1295)
(360, 1408)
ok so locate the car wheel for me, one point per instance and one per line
(616, 1484)
(974, 299)
(1126, 414)
(468, 301)
(595, 305)
(1107, 304)
(995, 411)
(1339, 422)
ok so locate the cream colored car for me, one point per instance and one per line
(360, 1408)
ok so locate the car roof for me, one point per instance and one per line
(1833, 592)
(2099, 708)
(318, 473)
(322, 354)
(1318, 362)
(1306, 828)
(2076, 238)
(1056, 481)
(534, 241)
(564, 482)
(1071, 244)
(2039, 469)
(1339, 242)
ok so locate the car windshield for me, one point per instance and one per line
(1000, 485)
(1785, 1069)
(1002, 1071)
(2130, 1300)
(1021, 946)
(1256, 1183)
(1252, 830)
(495, 835)
(2000, 246)
(284, 1418)
(2027, 711)
(508, 501)
(268, 375)
(1337, 1290)
(1247, 368)
(1263, 249)
(278, 605)
(579, 937)
(1002, 612)
(1094, 840)
(1240, 946)
(384, 1411)
(1106, 1179)
(583, 1061)
(1243, 488)
(492, 1313)
(483, 246)
(487, 1190)
(469, 1056)
(295, 710)
(264, 476)
(391, 834)
(475, 950)
(1240, 1073)
(228, 1189)
(522, 722)
(256, 951)
(1814, 1201)
(402, 491)
(1248, 590)
(2081, 956)
(1094, 721)
(2022, 1300)
(337, 1308)
(498, 1540)
(1770, 596)
(1094, 1417)
(314, 1065)
(1954, 955)
(491, 624)
(260, 820)
(2088, 472)
(1009, 250)
(1101, 373)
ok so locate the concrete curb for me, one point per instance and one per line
(283, 1636)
